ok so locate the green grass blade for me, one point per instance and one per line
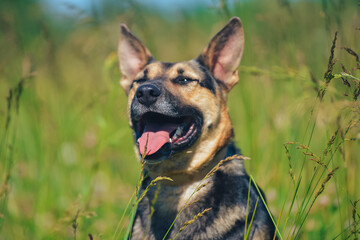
(247, 206)
(267, 208)
(252, 219)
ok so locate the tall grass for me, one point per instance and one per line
(65, 153)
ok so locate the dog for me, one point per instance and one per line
(182, 131)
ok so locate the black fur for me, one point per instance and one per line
(225, 191)
(208, 81)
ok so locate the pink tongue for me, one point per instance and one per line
(156, 135)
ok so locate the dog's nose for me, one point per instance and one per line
(148, 94)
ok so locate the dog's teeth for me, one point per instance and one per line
(179, 131)
(170, 140)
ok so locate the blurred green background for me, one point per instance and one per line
(66, 151)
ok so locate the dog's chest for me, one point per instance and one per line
(169, 199)
(163, 204)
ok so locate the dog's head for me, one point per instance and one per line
(178, 111)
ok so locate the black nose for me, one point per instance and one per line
(148, 94)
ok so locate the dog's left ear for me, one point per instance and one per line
(133, 56)
(223, 54)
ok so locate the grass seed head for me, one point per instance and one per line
(196, 217)
(323, 184)
(217, 166)
(353, 53)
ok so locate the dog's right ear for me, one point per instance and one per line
(132, 55)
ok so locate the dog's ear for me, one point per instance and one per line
(132, 55)
(223, 54)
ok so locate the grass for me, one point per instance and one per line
(65, 152)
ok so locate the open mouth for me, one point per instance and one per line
(159, 135)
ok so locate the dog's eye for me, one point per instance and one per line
(184, 80)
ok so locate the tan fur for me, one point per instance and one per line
(197, 157)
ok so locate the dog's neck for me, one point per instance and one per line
(184, 178)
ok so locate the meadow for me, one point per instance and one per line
(67, 165)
